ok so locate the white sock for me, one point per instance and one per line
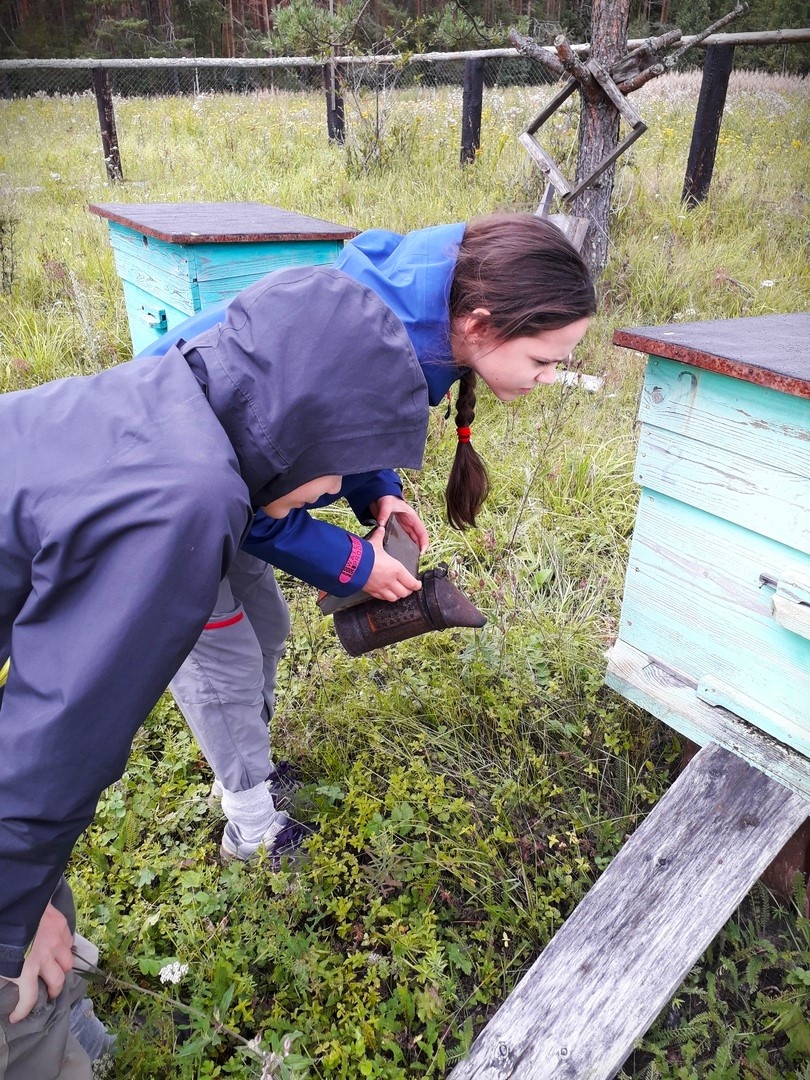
(252, 812)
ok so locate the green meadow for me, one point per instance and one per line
(468, 787)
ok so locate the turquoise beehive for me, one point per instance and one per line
(174, 259)
(714, 637)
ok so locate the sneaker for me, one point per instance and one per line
(282, 840)
(89, 1032)
(282, 783)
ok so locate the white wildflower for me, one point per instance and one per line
(767, 284)
(103, 1068)
(173, 973)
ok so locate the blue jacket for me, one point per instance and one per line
(413, 275)
(124, 497)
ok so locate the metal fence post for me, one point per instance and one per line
(717, 66)
(471, 108)
(335, 113)
(106, 118)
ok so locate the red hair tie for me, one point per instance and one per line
(463, 434)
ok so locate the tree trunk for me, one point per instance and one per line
(227, 31)
(599, 130)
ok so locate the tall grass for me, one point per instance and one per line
(468, 788)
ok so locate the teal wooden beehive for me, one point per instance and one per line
(714, 636)
(174, 259)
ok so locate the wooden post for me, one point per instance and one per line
(471, 109)
(335, 113)
(708, 117)
(106, 118)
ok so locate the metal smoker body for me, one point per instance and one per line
(438, 605)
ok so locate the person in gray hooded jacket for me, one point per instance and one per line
(124, 497)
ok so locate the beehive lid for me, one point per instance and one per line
(220, 223)
(770, 350)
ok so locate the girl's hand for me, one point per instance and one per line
(388, 580)
(384, 507)
(50, 958)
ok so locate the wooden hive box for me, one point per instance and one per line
(175, 259)
(715, 641)
(714, 636)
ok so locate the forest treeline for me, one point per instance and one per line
(151, 28)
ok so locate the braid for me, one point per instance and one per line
(525, 274)
(468, 483)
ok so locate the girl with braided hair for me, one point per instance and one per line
(501, 299)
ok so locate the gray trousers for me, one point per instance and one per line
(41, 1047)
(226, 687)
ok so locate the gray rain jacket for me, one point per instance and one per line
(125, 495)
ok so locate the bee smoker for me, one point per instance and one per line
(438, 605)
(363, 623)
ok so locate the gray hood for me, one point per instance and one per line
(326, 381)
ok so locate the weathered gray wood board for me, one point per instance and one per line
(618, 959)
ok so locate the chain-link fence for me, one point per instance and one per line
(353, 87)
(155, 78)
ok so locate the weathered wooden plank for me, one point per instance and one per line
(716, 692)
(752, 493)
(793, 616)
(574, 228)
(695, 597)
(159, 269)
(754, 422)
(620, 102)
(671, 697)
(605, 976)
(546, 164)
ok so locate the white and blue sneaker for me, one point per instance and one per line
(281, 840)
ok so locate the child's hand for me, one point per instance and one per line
(388, 580)
(384, 507)
(50, 959)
